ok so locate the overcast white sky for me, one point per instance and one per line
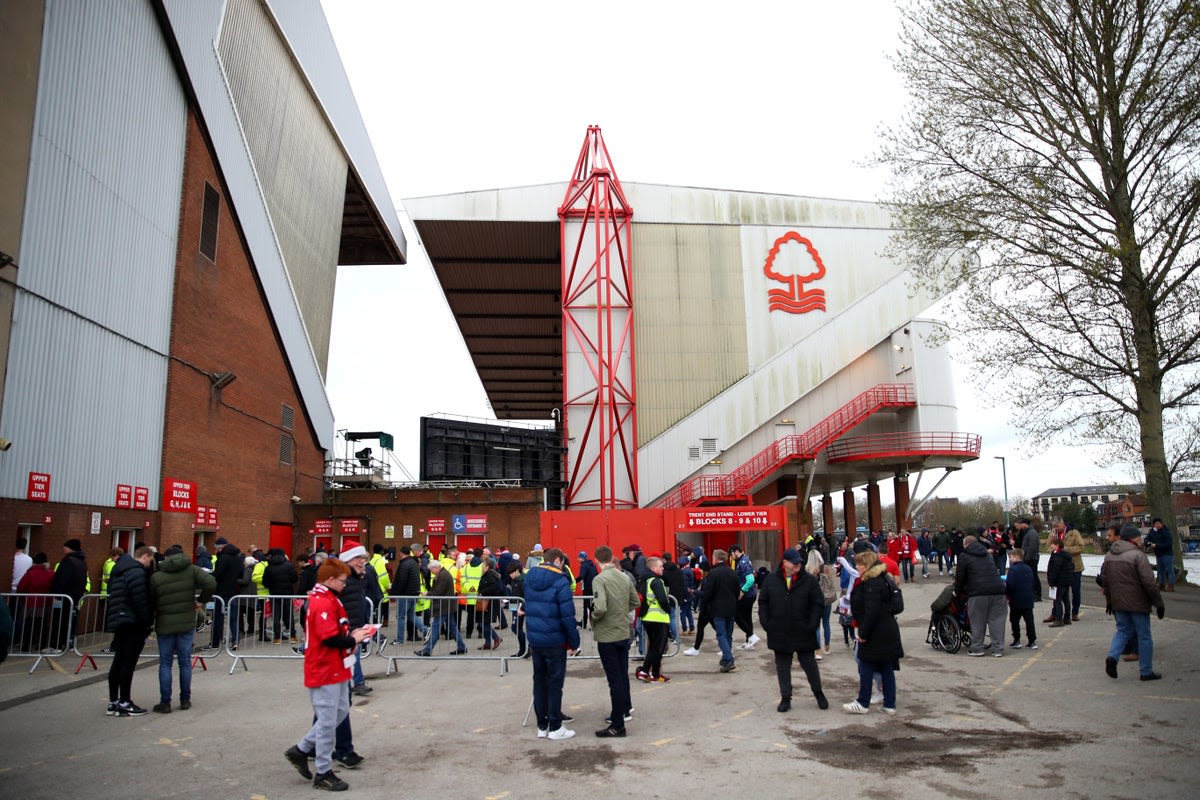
(766, 96)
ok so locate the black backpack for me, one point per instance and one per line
(896, 601)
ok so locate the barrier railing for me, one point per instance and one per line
(276, 627)
(513, 645)
(503, 615)
(42, 625)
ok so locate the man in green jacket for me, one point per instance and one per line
(614, 598)
(180, 589)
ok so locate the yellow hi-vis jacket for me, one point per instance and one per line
(105, 571)
(470, 581)
(257, 576)
(654, 611)
(379, 562)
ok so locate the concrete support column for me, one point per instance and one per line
(900, 487)
(848, 510)
(827, 514)
(874, 508)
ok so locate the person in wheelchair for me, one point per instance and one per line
(949, 626)
(1019, 588)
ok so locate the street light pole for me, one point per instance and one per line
(1004, 472)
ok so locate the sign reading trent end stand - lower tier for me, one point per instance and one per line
(179, 495)
(729, 518)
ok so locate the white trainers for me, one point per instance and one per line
(560, 733)
(753, 639)
(854, 708)
(692, 651)
(876, 699)
(542, 733)
(891, 712)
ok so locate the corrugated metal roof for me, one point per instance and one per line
(501, 281)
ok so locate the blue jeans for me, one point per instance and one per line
(175, 646)
(866, 673)
(614, 657)
(824, 626)
(1166, 570)
(1076, 581)
(724, 628)
(1131, 625)
(406, 614)
(686, 618)
(435, 630)
(549, 674)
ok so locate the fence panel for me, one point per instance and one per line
(270, 626)
(42, 625)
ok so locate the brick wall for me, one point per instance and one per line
(228, 442)
(513, 515)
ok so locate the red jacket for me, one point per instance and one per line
(326, 618)
(906, 547)
(36, 580)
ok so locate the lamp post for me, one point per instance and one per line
(1004, 472)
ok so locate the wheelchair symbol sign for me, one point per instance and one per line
(459, 524)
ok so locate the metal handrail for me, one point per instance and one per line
(796, 446)
(954, 443)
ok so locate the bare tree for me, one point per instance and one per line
(1047, 169)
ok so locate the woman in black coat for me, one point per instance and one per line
(490, 589)
(878, 635)
(790, 606)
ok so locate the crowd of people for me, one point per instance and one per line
(321, 606)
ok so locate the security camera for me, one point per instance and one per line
(5, 444)
(295, 498)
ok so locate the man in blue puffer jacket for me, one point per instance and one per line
(552, 632)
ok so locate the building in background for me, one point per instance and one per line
(780, 354)
(181, 179)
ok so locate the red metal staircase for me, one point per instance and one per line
(738, 484)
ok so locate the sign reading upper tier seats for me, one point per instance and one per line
(38, 489)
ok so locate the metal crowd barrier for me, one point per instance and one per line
(277, 627)
(42, 625)
(502, 611)
(91, 640)
(513, 644)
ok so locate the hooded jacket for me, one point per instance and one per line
(176, 585)
(129, 596)
(790, 614)
(71, 576)
(1060, 571)
(871, 603)
(977, 575)
(228, 571)
(549, 609)
(1128, 580)
(280, 576)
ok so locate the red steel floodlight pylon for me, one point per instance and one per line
(599, 392)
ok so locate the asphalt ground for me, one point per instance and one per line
(1045, 723)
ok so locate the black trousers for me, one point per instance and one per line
(128, 641)
(704, 620)
(656, 642)
(783, 671)
(1014, 619)
(744, 618)
(614, 656)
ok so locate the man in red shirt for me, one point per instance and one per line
(329, 647)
